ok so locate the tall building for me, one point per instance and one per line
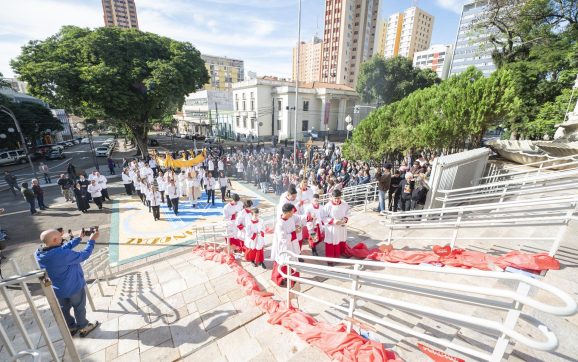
(408, 32)
(437, 58)
(309, 61)
(121, 13)
(348, 39)
(381, 32)
(223, 72)
(471, 46)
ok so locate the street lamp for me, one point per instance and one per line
(6, 110)
(349, 126)
(83, 127)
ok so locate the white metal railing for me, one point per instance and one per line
(21, 281)
(96, 268)
(505, 298)
(445, 197)
(552, 211)
(356, 196)
(506, 171)
(570, 186)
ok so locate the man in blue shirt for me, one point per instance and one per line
(64, 269)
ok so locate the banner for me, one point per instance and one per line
(170, 162)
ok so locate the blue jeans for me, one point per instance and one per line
(381, 195)
(78, 303)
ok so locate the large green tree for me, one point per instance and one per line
(450, 115)
(123, 75)
(34, 119)
(385, 81)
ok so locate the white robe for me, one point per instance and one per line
(282, 201)
(230, 215)
(334, 234)
(257, 230)
(282, 239)
(243, 218)
(304, 198)
(318, 217)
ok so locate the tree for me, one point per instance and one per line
(34, 120)
(389, 80)
(124, 75)
(449, 115)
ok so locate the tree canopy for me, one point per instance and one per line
(452, 114)
(123, 75)
(34, 120)
(389, 80)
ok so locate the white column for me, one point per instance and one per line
(325, 106)
(342, 114)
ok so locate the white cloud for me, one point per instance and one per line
(453, 5)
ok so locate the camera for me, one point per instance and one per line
(88, 231)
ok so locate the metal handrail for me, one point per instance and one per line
(409, 284)
(526, 190)
(21, 280)
(355, 195)
(545, 177)
(525, 171)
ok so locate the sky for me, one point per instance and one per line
(260, 32)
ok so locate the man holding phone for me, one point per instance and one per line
(63, 265)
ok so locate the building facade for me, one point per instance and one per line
(202, 111)
(437, 58)
(408, 32)
(381, 32)
(309, 61)
(223, 72)
(66, 133)
(120, 13)
(348, 39)
(471, 47)
(266, 106)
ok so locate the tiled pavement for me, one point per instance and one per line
(184, 308)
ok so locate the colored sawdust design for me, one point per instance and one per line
(135, 235)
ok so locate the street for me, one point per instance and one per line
(24, 230)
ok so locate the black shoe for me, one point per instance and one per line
(330, 263)
(314, 251)
(301, 260)
(263, 266)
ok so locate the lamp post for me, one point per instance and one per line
(349, 126)
(9, 112)
(83, 127)
(297, 82)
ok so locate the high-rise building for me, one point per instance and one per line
(121, 13)
(348, 39)
(223, 72)
(381, 32)
(408, 32)
(437, 58)
(471, 46)
(309, 61)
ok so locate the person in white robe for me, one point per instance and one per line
(336, 215)
(284, 239)
(255, 240)
(230, 211)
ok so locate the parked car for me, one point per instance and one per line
(63, 144)
(198, 137)
(152, 142)
(54, 154)
(102, 151)
(182, 135)
(211, 139)
(85, 140)
(14, 156)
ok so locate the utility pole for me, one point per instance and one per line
(297, 83)
(217, 115)
(273, 121)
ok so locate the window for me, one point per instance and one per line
(279, 104)
(252, 104)
(252, 122)
(244, 104)
(278, 124)
(304, 126)
(244, 122)
(238, 121)
(306, 106)
(236, 105)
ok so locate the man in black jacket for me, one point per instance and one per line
(29, 197)
(12, 183)
(383, 178)
(394, 191)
